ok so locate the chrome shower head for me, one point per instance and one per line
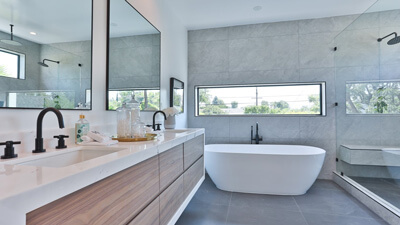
(11, 40)
(392, 41)
(45, 65)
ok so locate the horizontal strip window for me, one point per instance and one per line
(261, 100)
(12, 64)
(149, 98)
(373, 97)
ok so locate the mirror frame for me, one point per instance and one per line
(91, 73)
(171, 93)
(108, 55)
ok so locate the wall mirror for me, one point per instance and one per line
(45, 54)
(176, 94)
(133, 66)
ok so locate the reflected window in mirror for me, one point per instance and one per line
(176, 94)
(12, 64)
(149, 98)
(45, 54)
(133, 58)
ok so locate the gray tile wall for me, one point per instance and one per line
(135, 61)
(67, 75)
(293, 51)
(359, 58)
(32, 56)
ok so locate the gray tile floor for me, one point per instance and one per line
(324, 203)
(388, 189)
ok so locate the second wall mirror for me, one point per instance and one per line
(176, 98)
(133, 66)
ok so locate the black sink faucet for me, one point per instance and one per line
(39, 137)
(154, 120)
(257, 138)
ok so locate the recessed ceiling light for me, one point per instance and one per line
(33, 33)
(257, 8)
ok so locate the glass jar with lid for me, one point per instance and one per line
(135, 109)
(124, 121)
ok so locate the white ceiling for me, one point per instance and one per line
(200, 14)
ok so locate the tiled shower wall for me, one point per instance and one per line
(293, 51)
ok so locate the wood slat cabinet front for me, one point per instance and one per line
(114, 200)
(171, 166)
(149, 216)
(192, 176)
(170, 200)
(192, 151)
(149, 193)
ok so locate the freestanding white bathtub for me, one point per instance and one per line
(263, 169)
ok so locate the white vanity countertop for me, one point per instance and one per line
(24, 188)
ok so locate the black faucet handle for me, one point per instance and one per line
(61, 141)
(10, 143)
(158, 126)
(9, 149)
(61, 136)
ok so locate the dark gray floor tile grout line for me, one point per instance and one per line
(300, 210)
(229, 206)
(281, 215)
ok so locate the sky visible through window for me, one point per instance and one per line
(8, 65)
(285, 99)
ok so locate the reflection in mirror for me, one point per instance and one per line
(45, 58)
(133, 58)
(176, 94)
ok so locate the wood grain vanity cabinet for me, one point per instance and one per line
(192, 176)
(192, 150)
(171, 165)
(149, 216)
(149, 193)
(170, 200)
(114, 200)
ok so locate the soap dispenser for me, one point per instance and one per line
(9, 150)
(81, 128)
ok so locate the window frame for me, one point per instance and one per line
(135, 89)
(21, 63)
(322, 93)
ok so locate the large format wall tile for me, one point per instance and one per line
(208, 57)
(263, 30)
(329, 24)
(216, 34)
(278, 52)
(316, 50)
(299, 51)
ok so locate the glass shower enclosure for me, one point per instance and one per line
(367, 111)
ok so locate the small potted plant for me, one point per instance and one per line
(170, 112)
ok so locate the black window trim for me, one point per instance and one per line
(322, 85)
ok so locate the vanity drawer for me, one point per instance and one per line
(171, 166)
(192, 150)
(192, 176)
(149, 216)
(114, 200)
(170, 200)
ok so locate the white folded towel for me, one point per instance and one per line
(99, 137)
(95, 143)
(86, 138)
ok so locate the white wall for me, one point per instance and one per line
(21, 124)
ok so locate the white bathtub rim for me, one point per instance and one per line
(317, 150)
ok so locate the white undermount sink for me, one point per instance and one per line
(177, 131)
(69, 158)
